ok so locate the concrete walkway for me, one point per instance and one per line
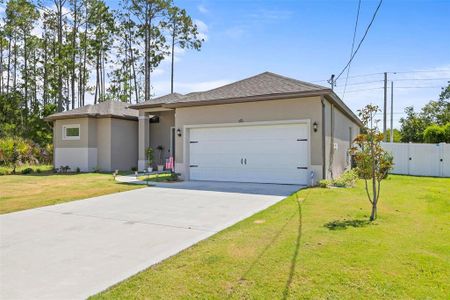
(76, 249)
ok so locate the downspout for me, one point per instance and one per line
(323, 138)
(330, 167)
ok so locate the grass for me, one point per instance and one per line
(19, 192)
(319, 246)
(164, 177)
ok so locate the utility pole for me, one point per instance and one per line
(332, 82)
(392, 112)
(385, 107)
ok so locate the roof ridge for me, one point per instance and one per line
(296, 80)
(234, 82)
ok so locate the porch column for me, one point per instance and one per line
(144, 139)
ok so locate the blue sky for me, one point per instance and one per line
(310, 40)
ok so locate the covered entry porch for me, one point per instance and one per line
(156, 128)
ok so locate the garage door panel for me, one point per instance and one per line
(262, 153)
(282, 146)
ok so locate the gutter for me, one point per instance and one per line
(267, 97)
(324, 168)
(97, 116)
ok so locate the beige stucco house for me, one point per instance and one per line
(267, 128)
(96, 137)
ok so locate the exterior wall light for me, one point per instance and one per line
(315, 126)
(179, 132)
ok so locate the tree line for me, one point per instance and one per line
(53, 54)
(430, 125)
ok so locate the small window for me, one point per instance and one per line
(71, 132)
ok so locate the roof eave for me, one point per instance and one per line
(332, 97)
(77, 116)
(266, 97)
(143, 105)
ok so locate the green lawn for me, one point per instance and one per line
(18, 192)
(319, 247)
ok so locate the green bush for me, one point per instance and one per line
(27, 171)
(324, 183)
(347, 179)
(18, 151)
(447, 132)
(434, 134)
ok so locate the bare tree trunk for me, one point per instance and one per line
(1, 67)
(133, 68)
(15, 66)
(146, 56)
(45, 79)
(59, 5)
(74, 40)
(25, 58)
(97, 80)
(8, 75)
(173, 57)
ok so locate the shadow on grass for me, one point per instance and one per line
(272, 242)
(287, 287)
(344, 224)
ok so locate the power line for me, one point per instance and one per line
(362, 40)
(353, 46)
(403, 72)
(422, 71)
(365, 82)
(416, 79)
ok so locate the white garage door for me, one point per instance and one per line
(262, 153)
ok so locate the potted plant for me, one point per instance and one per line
(149, 153)
(160, 148)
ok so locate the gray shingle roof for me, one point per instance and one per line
(266, 83)
(104, 109)
(169, 98)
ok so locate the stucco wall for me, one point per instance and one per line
(124, 144)
(160, 133)
(80, 153)
(58, 141)
(276, 110)
(104, 144)
(341, 132)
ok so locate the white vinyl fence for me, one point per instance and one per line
(420, 159)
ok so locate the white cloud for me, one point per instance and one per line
(201, 8)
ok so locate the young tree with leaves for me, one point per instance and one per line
(372, 161)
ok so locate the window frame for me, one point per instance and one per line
(70, 138)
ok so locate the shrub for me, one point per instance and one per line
(434, 134)
(38, 170)
(16, 151)
(134, 169)
(27, 171)
(447, 132)
(347, 179)
(78, 170)
(324, 183)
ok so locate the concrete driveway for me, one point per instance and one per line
(76, 249)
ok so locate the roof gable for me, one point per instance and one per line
(106, 109)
